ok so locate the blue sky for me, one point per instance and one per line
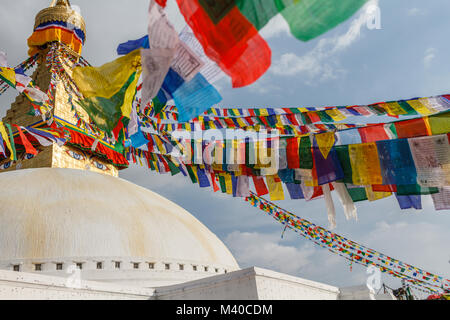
(407, 57)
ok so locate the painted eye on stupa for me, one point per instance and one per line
(75, 155)
(28, 156)
(100, 166)
(5, 165)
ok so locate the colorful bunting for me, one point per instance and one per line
(351, 250)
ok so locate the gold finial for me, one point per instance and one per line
(61, 10)
(60, 3)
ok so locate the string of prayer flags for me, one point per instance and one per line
(16, 78)
(428, 106)
(25, 138)
(349, 249)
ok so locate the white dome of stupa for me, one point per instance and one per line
(112, 229)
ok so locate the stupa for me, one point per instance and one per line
(65, 209)
(67, 206)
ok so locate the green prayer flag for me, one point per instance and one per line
(357, 194)
(173, 168)
(344, 160)
(305, 153)
(107, 112)
(13, 145)
(415, 189)
(405, 106)
(223, 186)
(440, 123)
(191, 174)
(309, 19)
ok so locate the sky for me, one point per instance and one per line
(405, 56)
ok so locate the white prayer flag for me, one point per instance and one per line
(3, 60)
(432, 160)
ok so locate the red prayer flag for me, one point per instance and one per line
(213, 179)
(162, 3)
(260, 186)
(26, 143)
(119, 127)
(292, 119)
(373, 133)
(318, 191)
(313, 116)
(228, 39)
(293, 158)
(384, 188)
(411, 128)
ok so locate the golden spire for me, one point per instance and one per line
(68, 156)
(61, 10)
(60, 3)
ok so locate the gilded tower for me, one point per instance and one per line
(57, 40)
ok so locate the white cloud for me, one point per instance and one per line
(266, 251)
(421, 244)
(316, 65)
(413, 12)
(430, 55)
(276, 27)
(319, 64)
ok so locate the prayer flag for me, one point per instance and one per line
(109, 90)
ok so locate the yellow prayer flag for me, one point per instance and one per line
(325, 141)
(263, 112)
(228, 183)
(335, 114)
(9, 75)
(218, 154)
(241, 123)
(426, 120)
(107, 80)
(375, 195)
(275, 188)
(393, 108)
(422, 109)
(5, 138)
(365, 164)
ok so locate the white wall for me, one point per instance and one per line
(249, 284)
(30, 286)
